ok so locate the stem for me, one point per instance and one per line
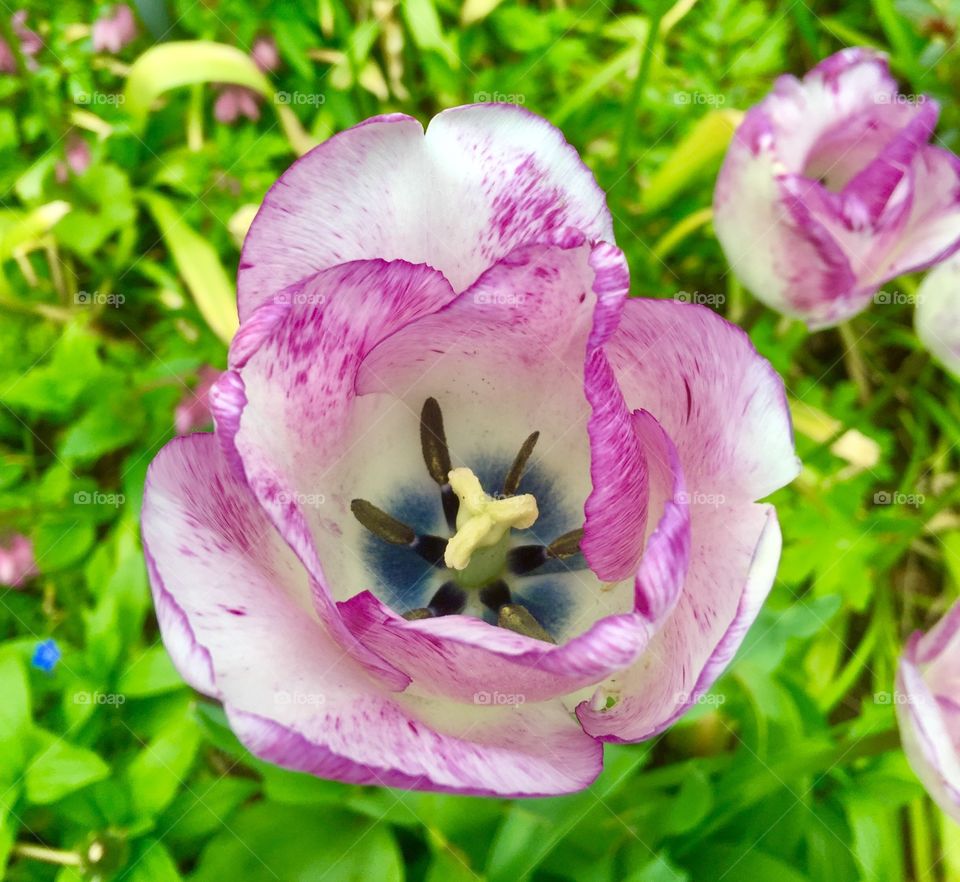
(854, 362)
(680, 230)
(47, 855)
(633, 102)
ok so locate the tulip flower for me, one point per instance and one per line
(112, 32)
(928, 708)
(468, 512)
(938, 314)
(17, 562)
(831, 188)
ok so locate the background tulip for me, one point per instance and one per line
(938, 314)
(928, 708)
(831, 188)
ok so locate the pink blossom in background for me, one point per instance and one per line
(928, 708)
(468, 511)
(77, 159)
(832, 187)
(112, 32)
(30, 44)
(265, 55)
(193, 411)
(17, 563)
(234, 102)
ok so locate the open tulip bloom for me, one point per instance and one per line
(831, 188)
(468, 511)
(928, 686)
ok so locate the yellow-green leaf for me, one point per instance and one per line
(199, 266)
(184, 63)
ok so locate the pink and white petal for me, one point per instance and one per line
(931, 231)
(736, 549)
(236, 612)
(286, 419)
(465, 659)
(615, 513)
(479, 750)
(720, 402)
(937, 316)
(483, 180)
(216, 564)
(933, 751)
(938, 652)
(773, 242)
(837, 117)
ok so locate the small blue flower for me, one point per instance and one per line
(46, 655)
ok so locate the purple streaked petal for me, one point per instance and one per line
(736, 549)
(482, 181)
(720, 402)
(459, 657)
(931, 747)
(236, 612)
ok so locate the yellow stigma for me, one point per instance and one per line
(483, 521)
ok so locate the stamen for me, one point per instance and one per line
(436, 454)
(514, 476)
(379, 523)
(495, 595)
(415, 615)
(433, 441)
(389, 529)
(526, 558)
(448, 600)
(516, 617)
(566, 545)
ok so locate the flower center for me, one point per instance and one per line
(482, 520)
(480, 553)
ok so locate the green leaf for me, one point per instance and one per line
(159, 770)
(151, 673)
(172, 65)
(60, 768)
(267, 842)
(151, 862)
(693, 156)
(15, 718)
(200, 267)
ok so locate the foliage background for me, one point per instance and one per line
(791, 769)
